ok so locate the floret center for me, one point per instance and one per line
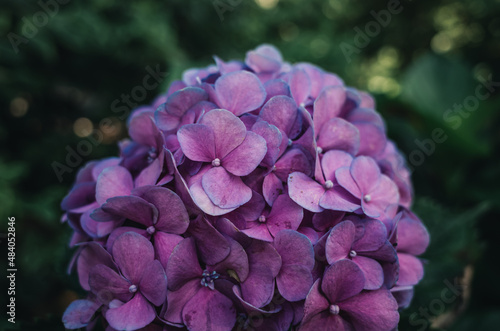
(367, 198)
(262, 218)
(334, 309)
(207, 279)
(151, 229)
(132, 289)
(328, 184)
(353, 253)
(216, 162)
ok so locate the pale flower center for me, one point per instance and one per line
(328, 184)
(353, 253)
(334, 309)
(216, 163)
(367, 198)
(132, 289)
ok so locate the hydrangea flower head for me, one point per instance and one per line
(252, 195)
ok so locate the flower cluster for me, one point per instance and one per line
(255, 195)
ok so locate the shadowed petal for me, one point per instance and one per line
(133, 208)
(107, 285)
(212, 246)
(177, 300)
(372, 310)
(172, 214)
(209, 310)
(344, 178)
(79, 313)
(132, 252)
(91, 255)
(153, 284)
(164, 244)
(272, 187)
(342, 280)
(258, 288)
(183, 264)
(294, 248)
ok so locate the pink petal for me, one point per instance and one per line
(339, 241)
(344, 178)
(239, 92)
(113, 181)
(342, 280)
(285, 214)
(339, 134)
(294, 282)
(197, 142)
(229, 131)
(153, 284)
(242, 160)
(132, 252)
(328, 105)
(374, 275)
(305, 191)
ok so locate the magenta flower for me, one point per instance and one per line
(338, 302)
(364, 181)
(221, 139)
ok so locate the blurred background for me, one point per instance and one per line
(71, 71)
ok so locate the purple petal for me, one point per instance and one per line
(237, 261)
(327, 219)
(339, 134)
(342, 280)
(213, 247)
(225, 190)
(80, 195)
(172, 214)
(372, 311)
(366, 173)
(259, 231)
(180, 101)
(285, 214)
(143, 130)
(273, 138)
(242, 160)
(258, 288)
(132, 252)
(276, 87)
(300, 85)
(153, 284)
(197, 142)
(413, 237)
(372, 139)
(294, 282)
(229, 131)
(337, 198)
(305, 191)
(107, 285)
(383, 195)
(411, 270)
(281, 111)
(328, 105)
(371, 235)
(333, 160)
(91, 255)
(209, 310)
(112, 182)
(164, 244)
(79, 314)
(265, 58)
(133, 208)
(183, 264)
(339, 241)
(133, 315)
(294, 248)
(344, 178)
(374, 275)
(291, 161)
(272, 187)
(239, 92)
(315, 302)
(177, 300)
(203, 202)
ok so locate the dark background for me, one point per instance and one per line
(431, 56)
